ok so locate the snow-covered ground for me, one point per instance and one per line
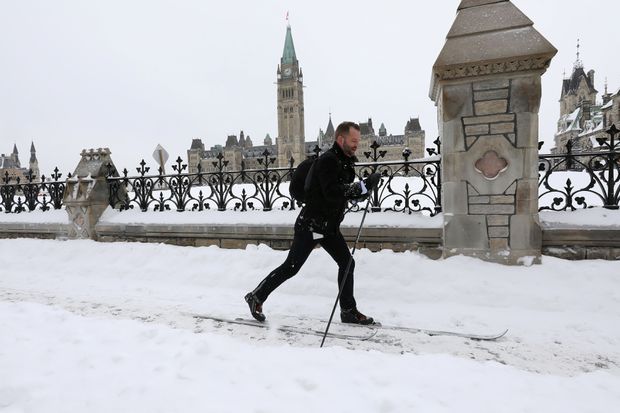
(108, 328)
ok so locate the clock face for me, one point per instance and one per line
(287, 71)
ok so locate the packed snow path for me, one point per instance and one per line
(119, 308)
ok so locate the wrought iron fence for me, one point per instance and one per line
(33, 194)
(407, 185)
(567, 182)
(576, 180)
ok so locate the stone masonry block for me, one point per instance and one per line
(502, 128)
(525, 232)
(237, 243)
(465, 231)
(527, 196)
(491, 209)
(498, 220)
(491, 95)
(597, 253)
(454, 195)
(498, 243)
(456, 102)
(492, 84)
(452, 137)
(527, 127)
(525, 94)
(477, 130)
(502, 199)
(479, 200)
(491, 107)
(206, 242)
(565, 252)
(489, 119)
(499, 232)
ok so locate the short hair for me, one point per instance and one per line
(345, 127)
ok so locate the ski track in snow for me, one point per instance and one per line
(509, 350)
(562, 316)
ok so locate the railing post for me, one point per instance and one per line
(487, 87)
(612, 163)
(87, 193)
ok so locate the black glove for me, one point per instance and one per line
(372, 181)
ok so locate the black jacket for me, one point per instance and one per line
(330, 189)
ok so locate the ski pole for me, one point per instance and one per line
(346, 273)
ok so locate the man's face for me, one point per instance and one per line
(349, 142)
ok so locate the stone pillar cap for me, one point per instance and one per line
(490, 37)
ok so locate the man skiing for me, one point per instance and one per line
(330, 188)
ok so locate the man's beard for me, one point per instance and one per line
(348, 150)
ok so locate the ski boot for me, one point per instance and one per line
(352, 316)
(256, 307)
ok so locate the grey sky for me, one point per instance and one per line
(131, 74)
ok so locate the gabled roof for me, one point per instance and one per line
(413, 125)
(197, 144)
(231, 141)
(570, 86)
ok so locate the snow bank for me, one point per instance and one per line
(54, 361)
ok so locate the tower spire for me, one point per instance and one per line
(288, 54)
(578, 62)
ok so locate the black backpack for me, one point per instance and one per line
(301, 180)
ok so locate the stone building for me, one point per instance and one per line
(11, 164)
(584, 119)
(290, 142)
(413, 139)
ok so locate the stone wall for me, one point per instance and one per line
(279, 237)
(571, 244)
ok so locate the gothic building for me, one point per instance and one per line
(584, 119)
(11, 164)
(413, 139)
(291, 142)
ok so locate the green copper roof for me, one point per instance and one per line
(288, 55)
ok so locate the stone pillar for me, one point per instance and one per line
(487, 87)
(87, 193)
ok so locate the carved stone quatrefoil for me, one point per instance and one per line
(491, 165)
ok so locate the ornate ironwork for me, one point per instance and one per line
(33, 194)
(601, 170)
(247, 189)
(408, 185)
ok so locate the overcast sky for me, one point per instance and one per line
(131, 74)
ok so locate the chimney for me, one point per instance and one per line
(591, 77)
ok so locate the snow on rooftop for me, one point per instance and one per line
(608, 105)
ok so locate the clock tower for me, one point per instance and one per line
(291, 137)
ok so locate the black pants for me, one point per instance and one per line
(303, 244)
